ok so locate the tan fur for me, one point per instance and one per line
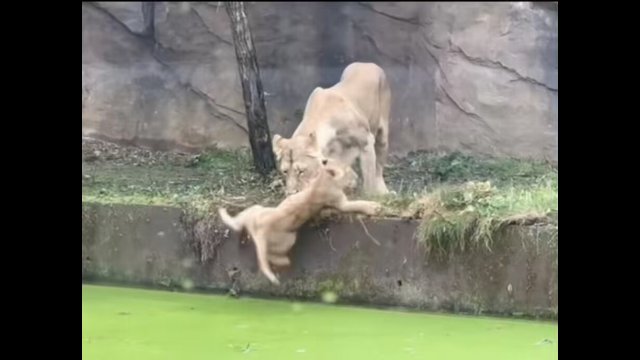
(347, 121)
(273, 230)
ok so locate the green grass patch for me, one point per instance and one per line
(470, 217)
(463, 201)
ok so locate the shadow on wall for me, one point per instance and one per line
(475, 77)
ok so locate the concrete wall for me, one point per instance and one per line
(159, 246)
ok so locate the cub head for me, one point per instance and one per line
(338, 174)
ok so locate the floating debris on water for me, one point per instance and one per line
(544, 342)
(187, 284)
(329, 297)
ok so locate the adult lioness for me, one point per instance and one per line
(344, 122)
(273, 230)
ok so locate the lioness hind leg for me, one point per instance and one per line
(382, 134)
(382, 150)
(368, 166)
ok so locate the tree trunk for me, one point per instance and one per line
(259, 136)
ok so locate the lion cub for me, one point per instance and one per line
(273, 230)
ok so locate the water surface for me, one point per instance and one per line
(122, 323)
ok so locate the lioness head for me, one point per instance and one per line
(298, 161)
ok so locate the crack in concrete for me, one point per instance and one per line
(204, 24)
(474, 116)
(433, 56)
(412, 21)
(496, 64)
(373, 42)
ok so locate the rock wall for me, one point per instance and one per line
(475, 77)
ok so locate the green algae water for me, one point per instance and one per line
(122, 323)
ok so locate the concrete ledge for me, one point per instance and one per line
(160, 246)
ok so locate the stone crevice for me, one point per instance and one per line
(204, 24)
(474, 116)
(496, 64)
(412, 21)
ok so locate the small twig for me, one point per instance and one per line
(366, 231)
(323, 233)
(331, 244)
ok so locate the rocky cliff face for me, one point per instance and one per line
(476, 77)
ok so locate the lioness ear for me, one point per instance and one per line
(312, 139)
(275, 140)
(278, 143)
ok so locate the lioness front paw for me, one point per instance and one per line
(373, 208)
